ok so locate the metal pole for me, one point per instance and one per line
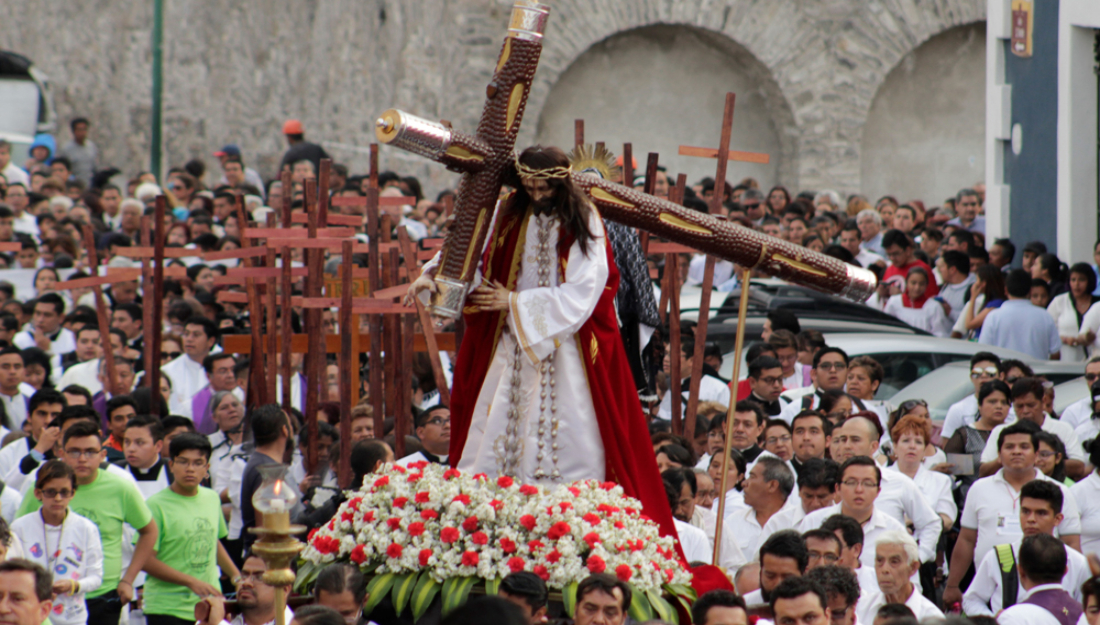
(155, 147)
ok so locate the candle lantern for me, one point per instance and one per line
(276, 544)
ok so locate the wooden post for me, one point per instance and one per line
(628, 165)
(110, 385)
(708, 275)
(675, 387)
(272, 334)
(650, 182)
(347, 354)
(150, 295)
(399, 389)
(256, 385)
(374, 282)
(154, 332)
(578, 132)
(313, 329)
(287, 326)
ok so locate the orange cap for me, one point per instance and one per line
(292, 127)
(633, 162)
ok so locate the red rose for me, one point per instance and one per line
(607, 485)
(331, 524)
(542, 572)
(596, 564)
(416, 529)
(419, 464)
(399, 502)
(565, 505)
(505, 482)
(631, 511)
(354, 503)
(451, 473)
(624, 572)
(516, 564)
(423, 497)
(480, 538)
(429, 515)
(394, 523)
(470, 524)
(382, 481)
(528, 522)
(529, 490)
(669, 574)
(592, 538)
(312, 533)
(619, 525)
(637, 545)
(557, 530)
(553, 556)
(469, 558)
(535, 546)
(496, 504)
(347, 516)
(507, 545)
(550, 510)
(425, 555)
(576, 491)
(592, 519)
(399, 469)
(368, 516)
(357, 555)
(414, 478)
(448, 535)
(462, 498)
(481, 477)
(394, 551)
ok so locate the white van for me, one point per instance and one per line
(26, 103)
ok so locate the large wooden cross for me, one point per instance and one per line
(485, 158)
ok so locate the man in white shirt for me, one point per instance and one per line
(1080, 412)
(984, 367)
(991, 515)
(12, 172)
(45, 406)
(710, 388)
(850, 533)
(782, 556)
(1042, 564)
(681, 499)
(899, 497)
(860, 480)
(841, 589)
(11, 387)
(188, 377)
(85, 371)
(896, 561)
(830, 372)
(45, 332)
(1040, 511)
(1027, 401)
(785, 344)
(433, 428)
(954, 268)
(850, 240)
(767, 489)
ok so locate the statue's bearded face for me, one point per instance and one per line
(541, 193)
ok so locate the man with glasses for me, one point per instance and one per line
(824, 549)
(752, 200)
(256, 599)
(841, 589)
(433, 428)
(967, 204)
(860, 479)
(109, 501)
(1027, 401)
(184, 569)
(767, 488)
(984, 367)
(830, 372)
(1080, 412)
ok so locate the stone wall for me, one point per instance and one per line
(235, 70)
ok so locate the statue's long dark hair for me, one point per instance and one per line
(572, 204)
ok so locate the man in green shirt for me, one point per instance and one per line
(109, 501)
(184, 569)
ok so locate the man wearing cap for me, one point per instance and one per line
(300, 149)
(251, 177)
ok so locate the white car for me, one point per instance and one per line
(905, 358)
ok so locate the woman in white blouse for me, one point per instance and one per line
(911, 435)
(1069, 309)
(1087, 495)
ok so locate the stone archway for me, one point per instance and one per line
(668, 89)
(925, 132)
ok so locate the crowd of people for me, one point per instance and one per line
(837, 505)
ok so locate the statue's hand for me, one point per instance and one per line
(424, 282)
(493, 297)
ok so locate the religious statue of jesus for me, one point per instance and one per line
(543, 391)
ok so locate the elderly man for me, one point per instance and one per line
(896, 561)
(967, 204)
(898, 496)
(767, 488)
(870, 231)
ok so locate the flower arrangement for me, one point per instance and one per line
(425, 529)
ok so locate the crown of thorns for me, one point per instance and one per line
(531, 173)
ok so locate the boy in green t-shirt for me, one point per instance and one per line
(108, 500)
(184, 569)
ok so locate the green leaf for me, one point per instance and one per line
(455, 592)
(492, 586)
(664, 609)
(569, 598)
(307, 572)
(423, 595)
(377, 589)
(682, 590)
(402, 589)
(639, 609)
